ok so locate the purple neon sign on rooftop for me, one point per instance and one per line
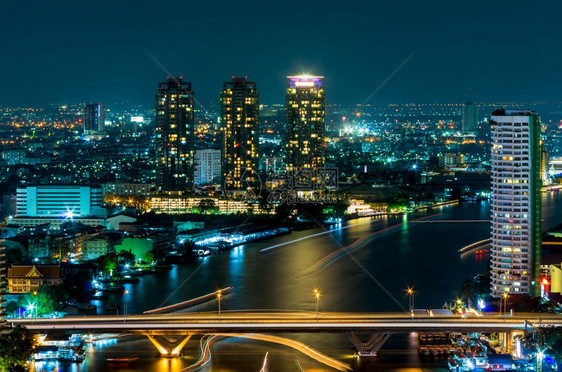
(305, 81)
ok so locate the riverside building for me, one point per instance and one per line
(516, 202)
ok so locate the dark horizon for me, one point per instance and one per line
(438, 52)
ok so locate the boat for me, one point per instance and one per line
(112, 288)
(123, 360)
(367, 353)
(128, 279)
(99, 295)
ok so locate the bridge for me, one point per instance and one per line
(170, 332)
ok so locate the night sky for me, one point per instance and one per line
(76, 51)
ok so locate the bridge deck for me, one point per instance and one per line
(236, 322)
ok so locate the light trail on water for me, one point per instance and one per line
(359, 243)
(315, 235)
(331, 231)
(296, 345)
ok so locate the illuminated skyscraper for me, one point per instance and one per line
(94, 118)
(240, 122)
(305, 122)
(470, 116)
(516, 202)
(175, 135)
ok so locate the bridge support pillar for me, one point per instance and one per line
(371, 346)
(506, 340)
(167, 346)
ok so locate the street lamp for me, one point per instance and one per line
(31, 307)
(219, 295)
(504, 296)
(317, 295)
(410, 292)
(126, 298)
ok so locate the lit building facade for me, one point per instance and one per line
(175, 135)
(469, 116)
(207, 166)
(240, 121)
(94, 118)
(126, 188)
(183, 204)
(57, 201)
(516, 202)
(28, 278)
(305, 103)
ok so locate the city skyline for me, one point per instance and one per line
(454, 52)
(311, 185)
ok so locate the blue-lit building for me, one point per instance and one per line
(58, 201)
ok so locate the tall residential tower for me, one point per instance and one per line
(305, 122)
(175, 135)
(240, 122)
(94, 118)
(516, 202)
(469, 116)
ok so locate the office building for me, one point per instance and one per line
(516, 202)
(240, 122)
(305, 122)
(470, 116)
(58, 201)
(94, 118)
(175, 135)
(207, 166)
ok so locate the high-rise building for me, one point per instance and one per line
(516, 202)
(469, 116)
(305, 122)
(207, 166)
(240, 121)
(175, 135)
(94, 118)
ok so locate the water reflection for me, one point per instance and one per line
(427, 258)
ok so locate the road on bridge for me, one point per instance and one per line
(266, 322)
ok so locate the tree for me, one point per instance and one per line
(12, 307)
(148, 257)
(127, 257)
(206, 205)
(47, 299)
(107, 263)
(16, 347)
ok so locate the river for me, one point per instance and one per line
(282, 272)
